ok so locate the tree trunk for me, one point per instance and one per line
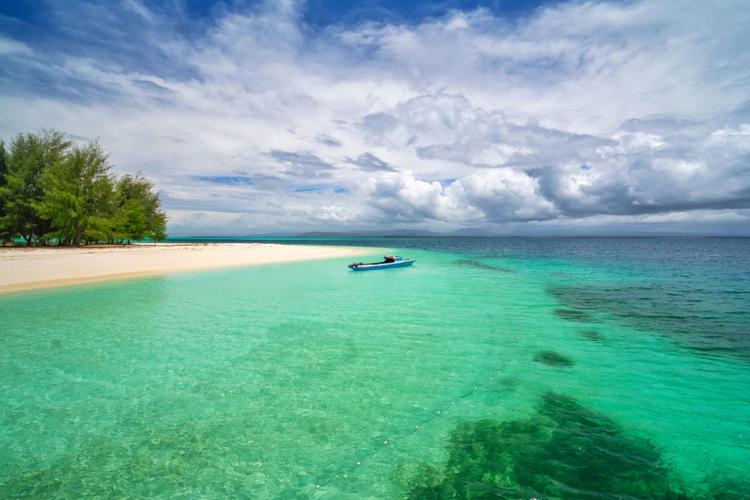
(78, 236)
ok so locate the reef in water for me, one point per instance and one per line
(553, 358)
(575, 315)
(476, 263)
(592, 334)
(709, 322)
(563, 451)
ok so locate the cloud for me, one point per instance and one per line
(370, 163)
(631, 173)
(328, 141)
(269, 182)
(403, 198)
(8, 47)
(380, 123)
(578, 113)
(138, 8)
(302, 164)
(447, 127)
(152, 86)
(499, 195)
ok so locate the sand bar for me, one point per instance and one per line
(25, 269)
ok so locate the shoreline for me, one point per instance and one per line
(24, 269)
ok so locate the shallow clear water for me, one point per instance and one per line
(603, 369)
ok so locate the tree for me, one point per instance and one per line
(79, 196)
(27, 162)
(158, 229)
(3, 164)
(140, 210)
(134, 221)
(53, 191)
(4, 235)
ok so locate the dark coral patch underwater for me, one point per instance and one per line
(594, 335)
(480, 265)
(553, 358)
(563, 451)
(575, 315)
(711, 321)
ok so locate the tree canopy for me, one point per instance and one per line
(55, 191)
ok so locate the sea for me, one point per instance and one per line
(493, 368)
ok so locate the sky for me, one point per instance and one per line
(507, 117)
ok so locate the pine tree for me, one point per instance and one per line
(27, 162)
(4, 235)
(141, 215)
(51, 190)
(80, 197)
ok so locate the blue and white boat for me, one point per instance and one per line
(390, 262)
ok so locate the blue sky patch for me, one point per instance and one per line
(226, 180)
(320, 189)
(322, 13)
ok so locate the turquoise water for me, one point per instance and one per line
(572, 373)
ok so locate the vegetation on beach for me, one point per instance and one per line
(55, 191)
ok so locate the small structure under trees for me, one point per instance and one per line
(53, 191)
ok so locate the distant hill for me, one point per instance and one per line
(405, 233)
(460, 233)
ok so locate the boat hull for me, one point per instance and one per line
(389, 265)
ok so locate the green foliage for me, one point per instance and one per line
(565, 451)
(133, 221)
(29, 158)
(3, 164)
(4, 235)
(52, 190)
(141, 215)
(158, 229)
(79, 196)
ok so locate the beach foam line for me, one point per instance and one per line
(28, 269)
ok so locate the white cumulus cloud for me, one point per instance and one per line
(579, 113)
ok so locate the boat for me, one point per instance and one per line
(390, 262)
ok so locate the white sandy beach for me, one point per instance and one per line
(24, 269)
